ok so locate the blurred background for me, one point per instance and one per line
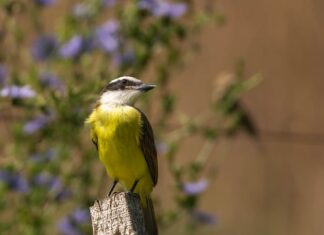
(236, 116)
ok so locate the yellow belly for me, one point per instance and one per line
(118, 131)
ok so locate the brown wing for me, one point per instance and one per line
(148, 147)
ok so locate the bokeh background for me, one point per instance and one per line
(260, 174)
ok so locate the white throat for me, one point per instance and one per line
(119, 97)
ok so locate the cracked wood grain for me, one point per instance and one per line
(120, 214)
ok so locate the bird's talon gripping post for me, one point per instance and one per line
(134, 186)
(112, 187)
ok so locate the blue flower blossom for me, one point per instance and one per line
(36, 124)
(53, 184)
(44, 47)
(44, 2)
(48, 181)
(108, 3)
(72, 48)
(164, 9)
(50, 80)
(44, 157)
(66, 227)
(203, 217)
(69, 225)
(125, 58)
(14, 181)
(194, 188)
(3, 74)
(107, 36)
(17, 92)
(80, 215)
(76, 46)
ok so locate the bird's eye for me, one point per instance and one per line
(124, 82)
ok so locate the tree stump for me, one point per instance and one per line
(120, 214)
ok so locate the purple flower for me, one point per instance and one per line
(36, 124)
(17, 92)
(72, 48)
(44, 2)
(53, 184)
(44, 47)
(69, 225)
(171, 10)
(80, 215)
(76, 46)
(3, 74)
(66, 227)
(51, 81)
(14, 181)
(203, 217)
(164, 9)
(194, 188)
(48, 181)
(63, 194)
(46, 156)
(107, 36)
(108, 3)
(125, 58)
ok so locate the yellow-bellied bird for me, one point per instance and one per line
(124, 139)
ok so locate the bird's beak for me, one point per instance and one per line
(145, 87)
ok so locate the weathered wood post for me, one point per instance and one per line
(120, 214)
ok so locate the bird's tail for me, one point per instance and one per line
(149, 217)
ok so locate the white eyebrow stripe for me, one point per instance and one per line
(127, 78)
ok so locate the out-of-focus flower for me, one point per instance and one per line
(76, 46)
(194, 188)
(44, 2)
(36, 124)
(80, 215)
(3, 74)
(107, 36)
(67, 228)
(108, 3)
(48, 181)
(44, 47)
(50, 80)
(203, 217)
(125, 58)
(17, 92)
(163, 8)
(14, 181)
(69, 225)
(53, 184)
(44, 157)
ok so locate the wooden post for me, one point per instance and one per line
(120, 214)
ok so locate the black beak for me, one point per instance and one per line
(145, 87)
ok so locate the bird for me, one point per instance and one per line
(125, 141)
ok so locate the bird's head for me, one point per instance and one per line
(123, 91)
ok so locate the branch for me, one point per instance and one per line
(119, 214)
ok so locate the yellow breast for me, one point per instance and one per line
(118, 130)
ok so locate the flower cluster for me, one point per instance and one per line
(14, 181)
(164, 9)
(52, 184)
(70, 224)
(17, 92)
